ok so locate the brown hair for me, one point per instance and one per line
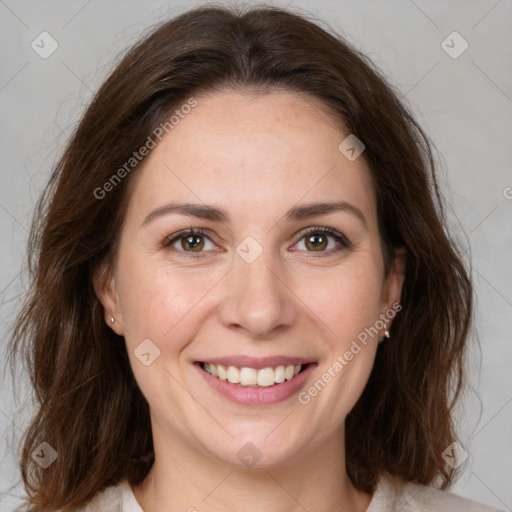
(90, 409)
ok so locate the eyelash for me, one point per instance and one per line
(343, 241)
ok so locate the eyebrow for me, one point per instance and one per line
(208, 212)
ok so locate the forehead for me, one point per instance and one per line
(244, 150)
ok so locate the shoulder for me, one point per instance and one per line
(108, 500)
(395, 494)
(426, 498)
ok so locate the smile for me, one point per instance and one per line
(250, 381)
(253, 377)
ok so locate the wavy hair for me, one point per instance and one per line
(89, 407)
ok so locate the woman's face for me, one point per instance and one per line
(260, 289)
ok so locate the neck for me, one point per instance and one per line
(184, 479)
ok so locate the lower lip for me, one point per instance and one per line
(257, 396)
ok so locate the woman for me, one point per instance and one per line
(244, 296)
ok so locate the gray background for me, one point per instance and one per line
(465, 105)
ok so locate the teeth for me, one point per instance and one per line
(233, 375)
(248, 376)
(266, 377)
(263, 377)
(221, 372)
(279, 374)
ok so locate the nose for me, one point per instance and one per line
(257, 299)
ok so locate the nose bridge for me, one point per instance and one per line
(257, 298)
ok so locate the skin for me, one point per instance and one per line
(256, 156)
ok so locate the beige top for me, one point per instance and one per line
(390, 496)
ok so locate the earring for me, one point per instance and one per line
(112, 320)
(386, 334)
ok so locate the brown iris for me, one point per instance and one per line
(316, 244)
(195, 243)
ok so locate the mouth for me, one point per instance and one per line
(256, 381)
(254, 377)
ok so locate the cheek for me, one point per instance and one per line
(346, 309)
(345, 299)
(159, 303)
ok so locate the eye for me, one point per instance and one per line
(316, 239)
(191, 241)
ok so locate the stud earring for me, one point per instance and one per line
(386, 334)
(112, 320)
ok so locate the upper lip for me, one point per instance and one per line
(256, 362)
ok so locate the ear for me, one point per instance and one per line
(105, 288)
(393, 283)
